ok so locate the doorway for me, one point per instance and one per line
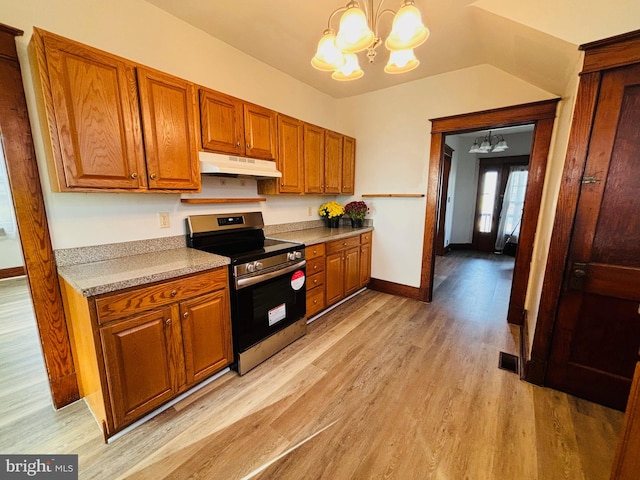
(541, 115)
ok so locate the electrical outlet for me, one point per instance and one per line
(164, 219)
(309, 211)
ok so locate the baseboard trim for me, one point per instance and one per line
(524, 345)
(535, 372)
(12, 272)
(393, 288)
(460, 246)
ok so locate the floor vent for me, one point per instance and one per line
(508, 362)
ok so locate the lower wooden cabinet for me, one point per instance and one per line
(342, 268)
(138, 348)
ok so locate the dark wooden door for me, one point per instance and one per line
(597, 331)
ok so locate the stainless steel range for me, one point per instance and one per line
(267, 277)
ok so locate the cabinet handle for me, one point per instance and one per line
(174, 293)
(315, 267)
(315, 281)
(237, 144)
(152, 176)
(185, 314)
(167, 322)
(282, 184)
(315, 301)
(133, 176)
(249, 146)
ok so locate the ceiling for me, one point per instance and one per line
(533, 40)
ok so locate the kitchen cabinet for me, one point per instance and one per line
(348, 165)
(315, 256)
(98, 105)
(230, 125)
(290, 159)
(138, 348)
(365, 259)
(342, 268)
(333, 162)
(314, 145)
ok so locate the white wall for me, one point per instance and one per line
(10, 249)
(466, 185)
(393, 131)
(141, 32)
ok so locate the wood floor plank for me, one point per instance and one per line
(380, 387)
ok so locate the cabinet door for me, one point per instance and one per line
(351, 270)
(259, 132)
(365, 264)
(93, 115)
(333, 162)
(142, 358)
(313, 159)
(206, 333)
(290, 138)
(334, 278)
(348, 165)
(221, 122)
(169, 125)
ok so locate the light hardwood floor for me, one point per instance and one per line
(381, 387)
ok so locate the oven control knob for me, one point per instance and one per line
(298, 254)
(250, 267)
(291, 256)
(259, 265)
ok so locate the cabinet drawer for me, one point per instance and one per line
(315, 265)
(343, 244)
(314, 281)
(116, 306)
(365, 237)
(315, 301)
(314, 251)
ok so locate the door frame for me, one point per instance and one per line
(542, 115)
(31, 217)
(599, 56)
(443, 186)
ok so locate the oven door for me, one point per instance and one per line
(266, 303)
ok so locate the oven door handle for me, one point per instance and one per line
(246, 282)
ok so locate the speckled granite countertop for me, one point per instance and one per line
(110, 275)
(313, 236)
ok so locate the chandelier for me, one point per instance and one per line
(358, 31)
(490, 143)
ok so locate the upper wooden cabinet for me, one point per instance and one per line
(229, 125)
(313, 159)
(290, 159)
(168, 122)
(94, 103)
(348, 164)
(332, 162)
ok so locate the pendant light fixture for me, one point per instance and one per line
(490, 143)
(358, 31)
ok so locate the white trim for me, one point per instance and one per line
(312, 319)
(167, 405)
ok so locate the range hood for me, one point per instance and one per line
(218, 164)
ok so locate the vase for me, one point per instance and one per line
(357, 222)
(333, 222)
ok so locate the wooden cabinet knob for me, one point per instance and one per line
(237, 144)
(315, 301)
(174, 293)
(152, 176)
(133, 176)
(185, 314)
(167, 322)
(249, 146)
(315, 281)
(315, 267)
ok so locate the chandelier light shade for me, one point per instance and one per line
(408, 30)
(350, 70)
(354, 34)
(490, 143)
(358, 31)
(401, 61)
(328, 57)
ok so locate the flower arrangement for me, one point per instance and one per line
(331, 210)
(356, 210)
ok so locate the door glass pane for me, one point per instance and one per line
(487, 200)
